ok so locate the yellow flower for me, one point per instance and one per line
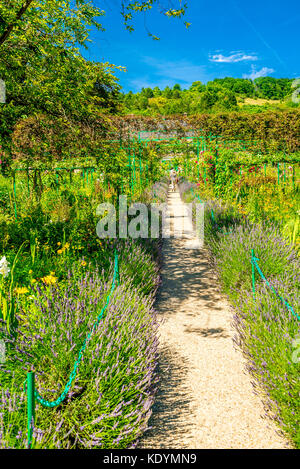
(52, 274)
(67, 245)
(58, 244)
(33, 280)
(49, 280)
(60, 251)
(83, 263)
(21, 290)
(30, 272)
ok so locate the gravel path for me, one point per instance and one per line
(206, 399)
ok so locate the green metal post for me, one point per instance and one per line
(134, 178)
(15, 195)
(216, 171)
(28, 188)
(293, 177)
(30, 406)
(140, 161)
(253, 273)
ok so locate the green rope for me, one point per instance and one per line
(255, 264)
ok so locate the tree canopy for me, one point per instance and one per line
(220, 94)
(41, 63)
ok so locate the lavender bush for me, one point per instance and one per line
(109, 403)
(266, 328)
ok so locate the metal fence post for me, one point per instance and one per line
(253, 273)
(30, 406)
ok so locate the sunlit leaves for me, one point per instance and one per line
(132, 7)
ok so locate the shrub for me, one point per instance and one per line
(108, 404)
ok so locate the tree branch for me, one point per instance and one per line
(4, 36)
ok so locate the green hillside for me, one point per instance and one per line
(221, 94)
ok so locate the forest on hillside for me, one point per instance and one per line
(221, 94)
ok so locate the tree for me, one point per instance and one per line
(13, 12)
(167, 92)
(132, 7)
(197, 86)
(237, 85)
(208, 99)
(273, 88)
(42, 66)
(142, 102)
(8, 26)
(156, 91)
(147, 92)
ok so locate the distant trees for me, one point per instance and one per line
(240, 86)
(197, 86)
(147, 92)
(217, 98)
(219, 94)
(272, 88)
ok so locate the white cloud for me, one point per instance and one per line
(233, 58)
(263, 72)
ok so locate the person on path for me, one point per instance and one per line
(173, 178)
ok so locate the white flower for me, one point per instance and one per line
(4, 269)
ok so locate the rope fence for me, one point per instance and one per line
(255, 266)
(33, 395)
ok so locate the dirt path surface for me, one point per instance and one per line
(205, 399)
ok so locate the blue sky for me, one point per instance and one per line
(226, 38)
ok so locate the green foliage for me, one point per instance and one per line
(221, 94)
(113, 375)
(130, 8)
(43, 68)
(273, 88)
